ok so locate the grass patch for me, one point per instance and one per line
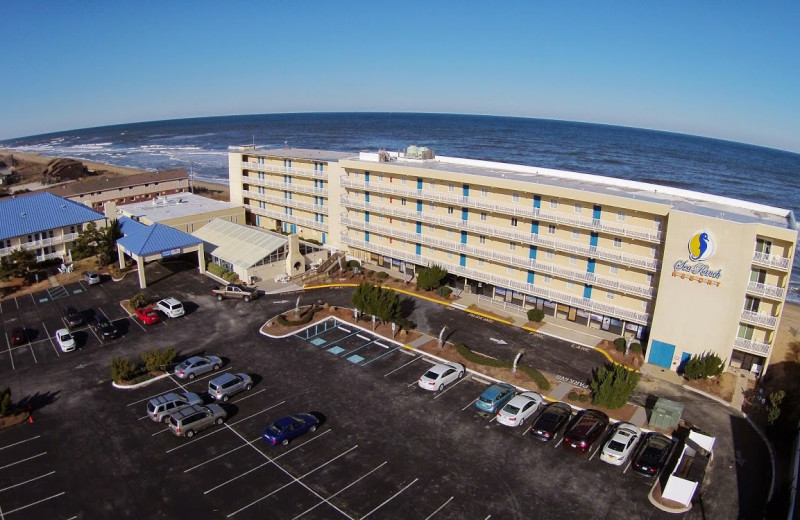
(531, 372)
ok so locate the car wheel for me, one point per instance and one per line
(246, 299)
(460, 375)
(216, 367)
(521, 421)
(285, 442)
(220, 297)
(225, 398)
(440, 387)
(190, 433)
(191, 375)
(313, 428)
(165, 419)
(248, 386)
(219, 420)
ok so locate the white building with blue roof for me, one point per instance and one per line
(44, 223)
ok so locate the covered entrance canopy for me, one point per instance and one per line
(147, 243)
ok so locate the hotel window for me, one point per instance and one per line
(450, 233)
(515, 197)
(430, 228)
(403, 181)
(573, 260)
(553, 203)
(430, 251)
(484, 192)
(644, 305)
(570, 285)
(380, 177)
(380, 218)
(763, 246)
(509, 270)
(380, 197)
(449, 255)
(551, 228)
(512, 246)
(357, 175)
(449, 210)
(621, 216)
(482, 239)
(431, 206)
(403, 202)
(514, 221)
(578, 208)
(613, 269)
(450, 187)
(431, 184)
(610, 295)
(617, 242)
(483, 215)
(480, 262)
(653, 251)
(548, 278)
(550, 254)
(657, 223)
(649, 278)
(576, 234)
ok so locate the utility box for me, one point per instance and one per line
(666, 414)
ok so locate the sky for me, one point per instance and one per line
(729, 70)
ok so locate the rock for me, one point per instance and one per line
(62, 170)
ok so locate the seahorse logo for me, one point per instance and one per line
(700, 247)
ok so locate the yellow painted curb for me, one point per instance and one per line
(490, 317)
(324, 286)
(606, 354)
(530, 328)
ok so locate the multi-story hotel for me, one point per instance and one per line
(683, 272)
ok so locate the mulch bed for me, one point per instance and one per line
(13, 419)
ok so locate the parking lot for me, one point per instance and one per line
(385, 448)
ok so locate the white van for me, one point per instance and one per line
(171, 307)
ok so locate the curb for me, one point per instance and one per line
(715, 398)
(771, 456)
(138, 385)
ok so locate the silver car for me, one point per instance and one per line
(160, 408)
(221, 388)
(192, 419)
(197, 365)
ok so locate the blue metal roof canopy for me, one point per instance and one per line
(39, 212)
(148, 240)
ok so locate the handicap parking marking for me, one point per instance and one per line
(355, 359)
(336, 350)
(356, 481)
(317, 342)
(439, 508)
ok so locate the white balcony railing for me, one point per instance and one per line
(282, 201)
(43, 242)
(748, 345)
(757, 318)
(779, 262)
(285, 186)
(283, 217)
(761, 289)
(296, 172)
(525, 288)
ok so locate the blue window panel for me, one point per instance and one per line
(419, 206)
(419, 183)
(291, 211)
(366, 176)
(285, 227)
(596, 212)
(587, 291)
(464, 214)
(419, 249)
(286, 210)
(466, 190)
(258, 220)
(535, 227)
(531, 276)
(419, 228)
(321, 184)
(294, 228)
(463, 260)
(661, 353)
(366, 236)
(532, 253)
(366, 196)
(289, 162)
(286, 179)
(321, 218)
(321, 167)
(316, 167)
(537, 201)
(316, 217)
(324, 237)
(321, 201)
(366, 216)
(463, 237)
(593, 239)
(590, 265)
(315, 184)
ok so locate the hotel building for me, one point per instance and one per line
(682, 272)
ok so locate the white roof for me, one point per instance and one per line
(240, 245)
(174, 206)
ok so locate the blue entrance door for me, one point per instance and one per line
(661, 354)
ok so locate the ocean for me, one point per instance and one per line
(726, 168)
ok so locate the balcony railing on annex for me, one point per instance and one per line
(284, 217)
(285, 186)
(760, 319)
(506, 259)
(768, 291)
(588, 251)
(522, 287)
(296, 172)
(767, 260)
(283, 201)
(42, 242)
(518, 210)
(749, 345)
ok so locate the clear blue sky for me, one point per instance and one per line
(722, 69)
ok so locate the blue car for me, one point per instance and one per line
(287, 428)
(495, 397)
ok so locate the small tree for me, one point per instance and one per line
(138, 300)
(612, 386)
(706, 365)
(158, 359)
(430, 278)
(774, 408)
(5, 401)
(536, 315)
(87, 242)
(107, 247)
(20, 262)
(122, 369)
(382, 303)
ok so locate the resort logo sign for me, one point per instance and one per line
(701, 247)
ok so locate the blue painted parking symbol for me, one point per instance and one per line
(318, 341)
(336, 350)
(355, 359)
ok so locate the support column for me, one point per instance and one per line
(121, 256)
(201, 258)
(140, 268)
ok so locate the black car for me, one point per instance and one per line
(17, 336)
(73, 317)
(652, 454)
(551, 420)
(586, 428)
(104, 328)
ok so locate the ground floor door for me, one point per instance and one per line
(661, 354)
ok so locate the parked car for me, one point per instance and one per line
(160, 408)
(585, 429)
(171, 307)
(441, 375)
(226, 385)
(553, 417)
(17, 336)
(65, 340)
(147, 315)
(287, 428)
(91, 277)
(495, 396)
(103, 327)
(72, 316)
(518, 409)
(621, 444)
(197, 365)
(236, 291)
(652, 454)
(192, 419)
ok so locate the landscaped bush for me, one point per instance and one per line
(472, 357)
(444, 292)
(122, 369)
(572, 396)
(230, 276)
(636, 348)
(620, 344)
(430, 278)
(382, 275)
(216, 270)
(703, 366)
(536, 315)
(138, 300)
(5, 401)
(537, 376)
(158, 359)
(583, 398)
(353, 264)
(612, 385)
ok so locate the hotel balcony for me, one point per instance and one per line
(778, 262)
(283, 217)
(282, 201)
(501, 281)
(754, 347)
(641, 233)
(296, 172)
(503, 258)
(769, 291)
(68, 237)
(757, 318)
(285, 186)
(586, 250)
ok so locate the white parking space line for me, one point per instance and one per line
(559, 442)
(10, 356)
(159, 431)
(237, 477)
(628, 465)
(34, 503)
(595, 451)
(356, 481)
(143, 417)
(50, 338)
(23, 460)
(438, 395)
(402, 366)
(179, 386)
(344, 329)
(257, 413)
(249, 395)
(470, 404)
(481, 380)
(221, 455)
(390, 498)
(133, 319)
(363, 337)
(290, 483)
(34, 355)
(150, 397)
(27, 481)
(382, 355)
(20, 442)
(439, 508)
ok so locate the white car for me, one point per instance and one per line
(171, 307)
(619, 447)
(519, 408)
(65, 340)
(441, 375)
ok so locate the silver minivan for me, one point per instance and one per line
(160, 408)
(190, 420)
(221, 388)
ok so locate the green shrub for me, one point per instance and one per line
(620, 344)
(572, 396)
(706, 365)
(216, 270)
(583, 398)
(472, 357)
(636, 348)
(353, 263)
(612, 385)
(382, 275)
(537, 377)
(444, 292)
(536, 315)
(230, 276)
(158, 359)
(5, 401)
(138, 300)
(430, 278)
(122, 369)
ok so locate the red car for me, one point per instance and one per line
(17, 336)
(147, 315)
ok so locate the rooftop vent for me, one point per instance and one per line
(23, 215)
(419, 152)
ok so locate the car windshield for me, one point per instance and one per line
(151, 407)
(485, 400)
(66, 337)
(430, 374)
(510, 408)
(616, 446)
(183, 365)
(274, 429)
